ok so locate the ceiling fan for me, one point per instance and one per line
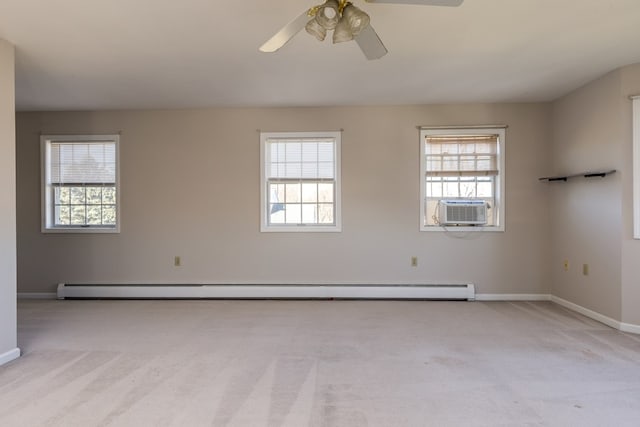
(347, 22)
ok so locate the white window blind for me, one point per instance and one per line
(301, 159)
(83, 163)
(461, 155)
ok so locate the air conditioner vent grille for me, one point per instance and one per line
(463, 212)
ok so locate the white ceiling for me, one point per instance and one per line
(114, 54)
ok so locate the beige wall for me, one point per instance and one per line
(7, 201)
(592, 129)
(630, 248)
(587, 213)
(190, 187)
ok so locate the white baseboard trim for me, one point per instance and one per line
(513, 297)
(37, 295)
(239, 291)
(621, 326)
(316, 291)
(630, 328)
(624, 327)
(10, 355)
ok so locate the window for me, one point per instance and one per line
(462, 178)
(300, 184)
(80, 188)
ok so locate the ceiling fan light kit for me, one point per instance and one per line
(342, 17)
(327, 14)
(357, 20)
(314, 28)
(347, 23)
(342, 32)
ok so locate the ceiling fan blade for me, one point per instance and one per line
(286, 33)
(370, 43)
(452, 3)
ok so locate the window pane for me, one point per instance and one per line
(94, 195)
(467, 163)
(325, 192)
(276, 214)
(83, 162)
(292, 193)
(485, 189)
(276, 203)
(63, 215)
(450, 148)
(310, 192)
(292, 170)
(273, 171)
(325, 213)
(309, 170)
(109, 195)
(434, 189)
(62, 195)
(293, 214)
(325, 152)
(293, 151)
(94, 215)
(467, 148)
(310, 152)
(468, 189)
(109, 215)
(309, 215)
(78, 215)
(325, 170)
(433, 148)
(434, 163)
(277, 152)
(486, 163)
(276, 193)
(450, 189)
(77, 196)
(450, 163)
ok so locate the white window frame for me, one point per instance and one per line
(636, 166)
(264, 208)
(47, 202)
(500, 178)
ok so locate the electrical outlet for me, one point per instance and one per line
(177, 262)
(414, 261)
(585, 269)
(566, 265)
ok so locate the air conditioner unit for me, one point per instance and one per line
(462, 212)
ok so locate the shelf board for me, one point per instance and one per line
(590, 174)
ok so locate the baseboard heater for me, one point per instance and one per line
(138, 291)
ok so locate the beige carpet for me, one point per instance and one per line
(317, 363)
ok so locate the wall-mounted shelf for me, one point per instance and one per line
(591, 174)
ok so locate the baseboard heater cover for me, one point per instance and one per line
(138, 291)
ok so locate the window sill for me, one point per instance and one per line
(454, 229)
(74, 230)
(301, 229)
